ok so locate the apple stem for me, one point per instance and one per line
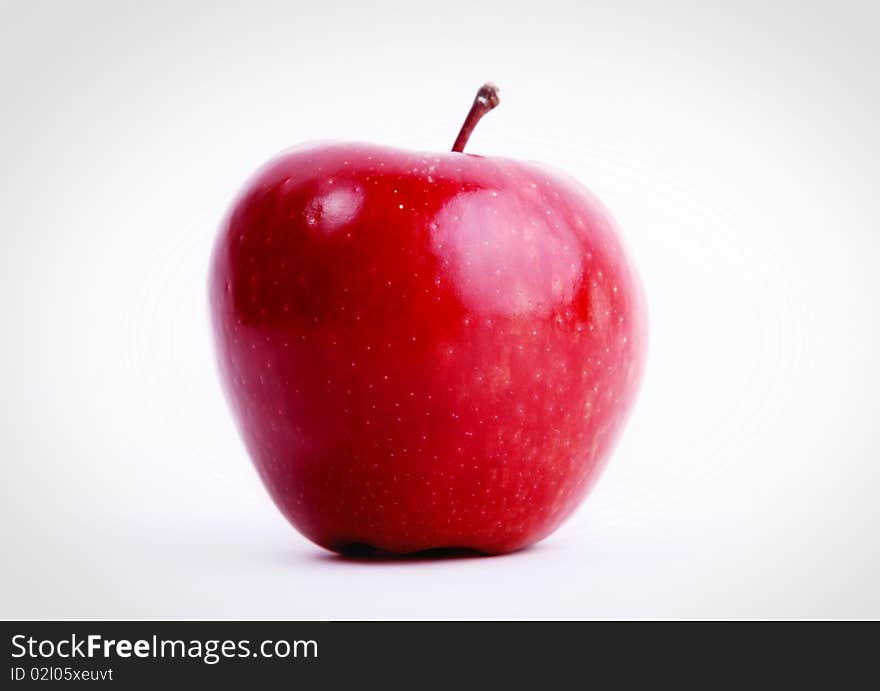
(486, 99)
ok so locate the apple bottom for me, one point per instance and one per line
(401, 506)
(484, 440)
(411, 530)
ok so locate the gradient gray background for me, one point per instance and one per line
(738, 146)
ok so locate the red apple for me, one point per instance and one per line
(424, 350)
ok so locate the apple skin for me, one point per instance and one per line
(424, 350)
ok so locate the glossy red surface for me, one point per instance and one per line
(424, 350)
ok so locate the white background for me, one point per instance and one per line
(738, 146)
